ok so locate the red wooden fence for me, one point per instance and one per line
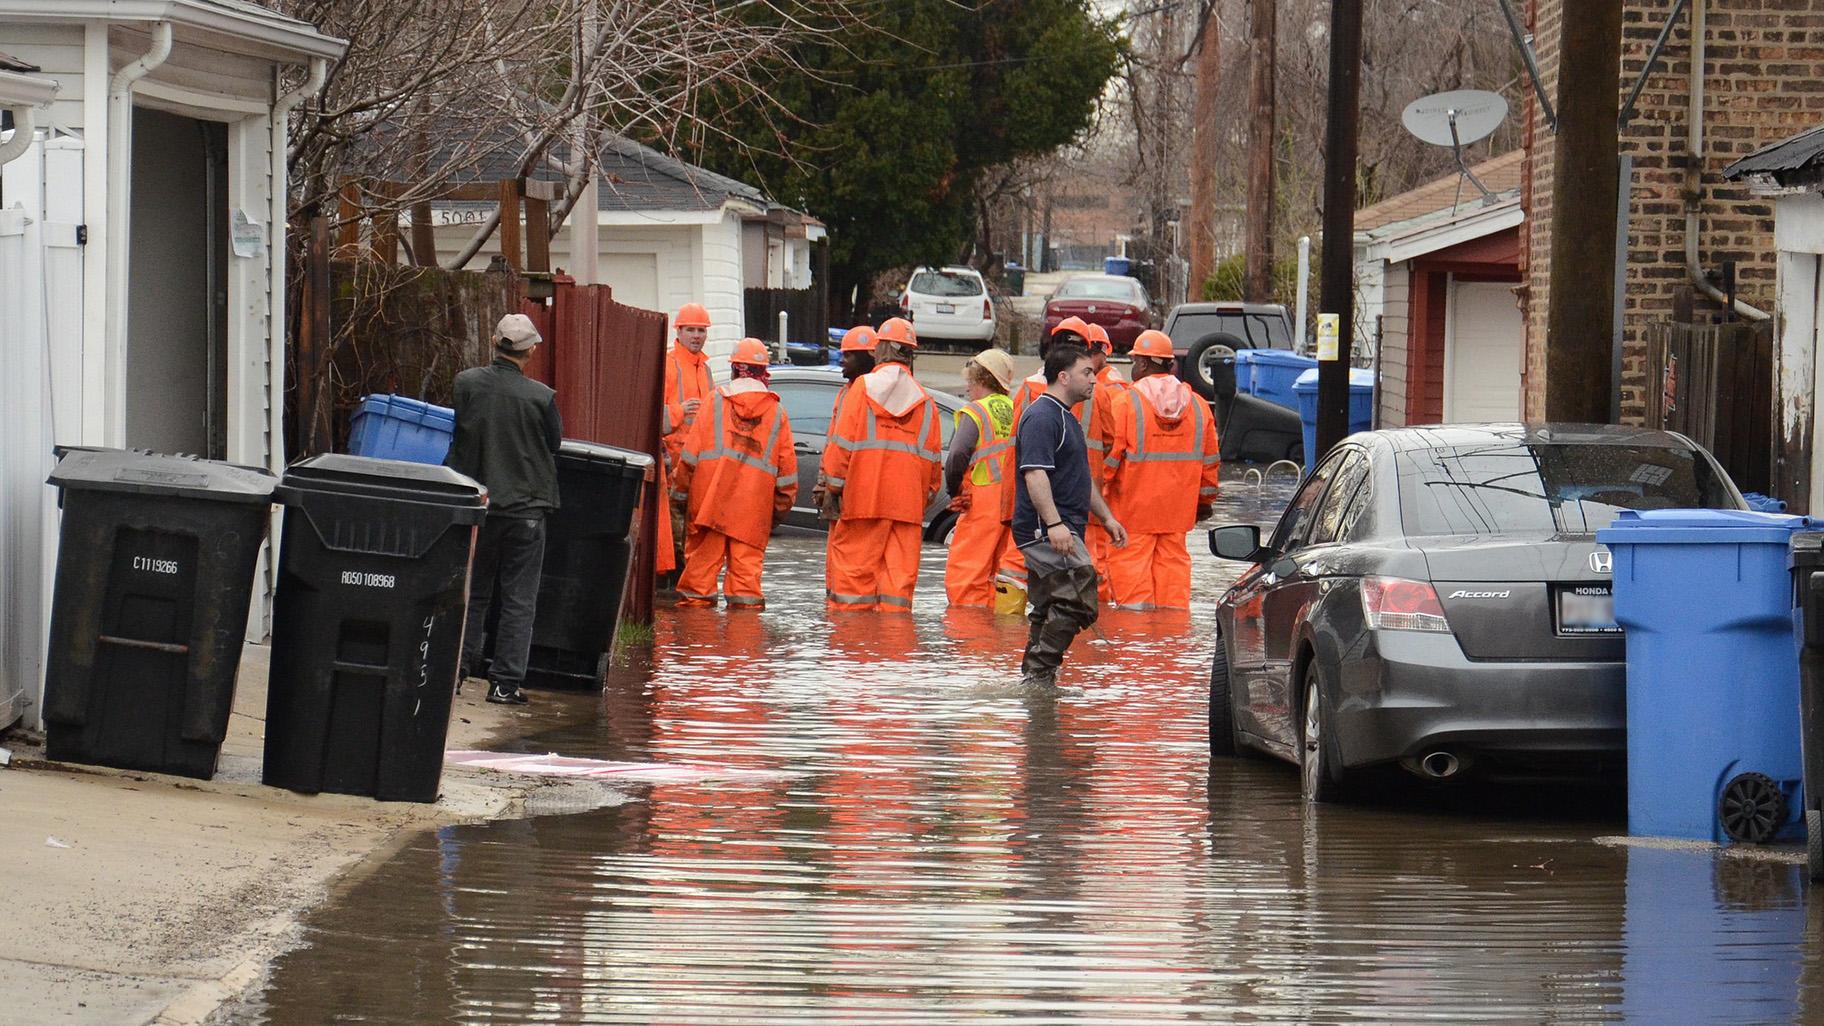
(607, 362)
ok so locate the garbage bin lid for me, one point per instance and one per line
(1360, 379)
(1689, 526)
(151, 473)
(579, 449)
(1278, 358)
(383, 479)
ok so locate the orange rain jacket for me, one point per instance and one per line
(1164, 463)
(686, 377)
(736, 466)
(885, 448)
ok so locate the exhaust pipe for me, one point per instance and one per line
(1440, 765)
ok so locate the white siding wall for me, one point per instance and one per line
(720, 266)
(57, 49)
(1396, 302)
(255, 386)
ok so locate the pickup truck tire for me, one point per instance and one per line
(1195, 372)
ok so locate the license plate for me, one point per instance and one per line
(1587, 609)
(949, 308)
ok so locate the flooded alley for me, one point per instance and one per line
(862, 820)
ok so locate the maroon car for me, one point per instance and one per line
(1118, 303)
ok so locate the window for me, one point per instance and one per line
(1328, 521)
(945, 284)
(1351, 529)
(1255, 331)
(1509, 486)
(1102, 288)
(1295, 523)
(807, 403)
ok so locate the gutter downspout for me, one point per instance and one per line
(120, 204)
(1694, 186)
(25, 126)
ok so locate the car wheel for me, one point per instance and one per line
(1222, 707)
(1320, 776)
(1199, 357)
(943, 528)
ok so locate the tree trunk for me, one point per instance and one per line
(1204, 154)
(1261, 29)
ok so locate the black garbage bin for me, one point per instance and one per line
(367, 633)
(588, 547)
(154, 575)
(1808, 610)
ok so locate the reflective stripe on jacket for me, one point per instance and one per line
(1160, 469)
(736, 466)
(887, 467)
(686, 377)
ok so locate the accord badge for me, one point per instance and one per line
(1602, 562)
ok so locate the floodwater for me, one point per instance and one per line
(932, 844)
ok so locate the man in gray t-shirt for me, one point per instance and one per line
(1054, 498)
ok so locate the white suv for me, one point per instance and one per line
(949, 303)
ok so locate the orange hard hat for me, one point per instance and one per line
(1153, 343)
(897, 329)
(752, 352)
(1072, 324)
(1097, 336)
(691, 315)
(858, 339)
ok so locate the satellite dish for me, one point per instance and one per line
(1456, 118)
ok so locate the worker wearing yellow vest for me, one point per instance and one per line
(1162, 473)
(883, 466)
(978, 475)
(687, 385)
(737, 476)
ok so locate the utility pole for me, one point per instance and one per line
(1338, 296)
(585, 229)
(1579, 329)
(1205, 147)
(1263, 35)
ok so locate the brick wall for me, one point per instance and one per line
(1764, 81)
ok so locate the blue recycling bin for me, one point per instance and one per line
(1272, 373)
(1713, 681)
(393, 427)
(1116, 265)
(1361, 406)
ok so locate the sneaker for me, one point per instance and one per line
(506, 694)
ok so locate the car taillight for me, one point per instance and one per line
(1393, 604)
(987, 310)
(905, 300)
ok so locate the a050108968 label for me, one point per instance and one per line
(363, 579)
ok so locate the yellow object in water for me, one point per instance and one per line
(1009, 599)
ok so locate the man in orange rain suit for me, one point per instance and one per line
(737, 476)
(978, 474)
(884, 465)
(687, 385)
(857, 359)
(1092, 413)
(1162, 478)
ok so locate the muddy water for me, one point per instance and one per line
(943, 847)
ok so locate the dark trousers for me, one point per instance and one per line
(509, 553)
(1062, 590)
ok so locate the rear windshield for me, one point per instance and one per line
(942, 283)
(1507, 487)
(1099, 288)
(1259, 331)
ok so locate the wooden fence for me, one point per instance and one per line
(1714, 384)
(806, 311)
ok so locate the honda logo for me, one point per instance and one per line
(1092, 308)
(1602, 561)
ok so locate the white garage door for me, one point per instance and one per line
(1483, 353)
(634, 278)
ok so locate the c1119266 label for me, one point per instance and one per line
(362, 579)
(155, 566)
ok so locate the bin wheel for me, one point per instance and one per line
(601, 670)
(1752, 808)
(1814, 842)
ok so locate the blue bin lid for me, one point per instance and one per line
(1275, 358)
(1361, 379)
(417, 411)
(1689, 526)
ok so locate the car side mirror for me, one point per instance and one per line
(1239, 542)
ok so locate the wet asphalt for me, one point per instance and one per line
(918, 840)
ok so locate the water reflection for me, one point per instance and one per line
(951, 848)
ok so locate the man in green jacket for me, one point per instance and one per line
(507, 432)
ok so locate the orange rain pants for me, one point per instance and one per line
(705, 555)
(737, 476)
(873, 564)
(1152, 572)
